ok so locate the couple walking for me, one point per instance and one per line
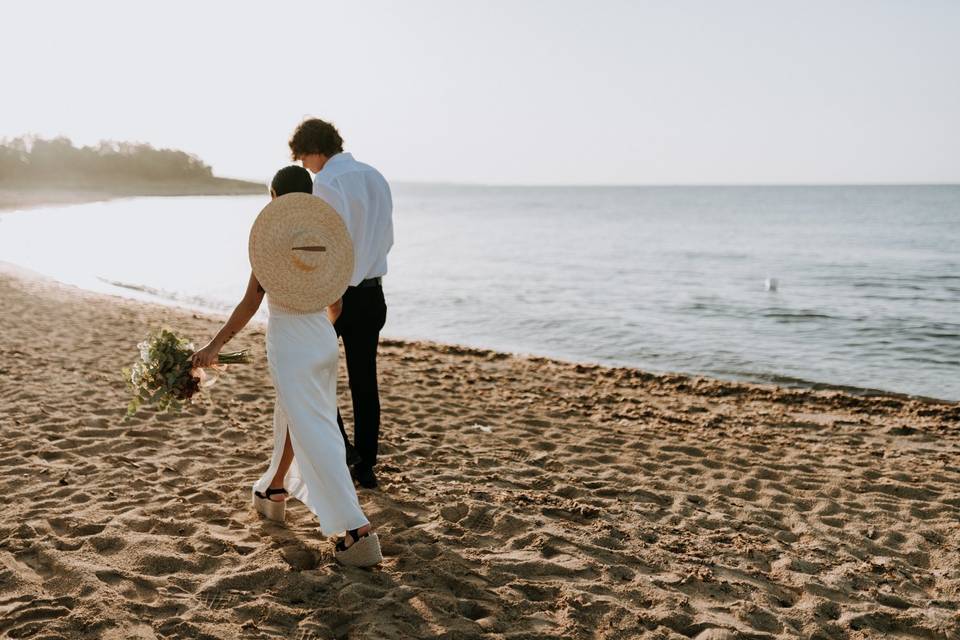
(318, 252)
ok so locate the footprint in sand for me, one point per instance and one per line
(136, 588)
(25, 616)
(479, 520)
(226, 599)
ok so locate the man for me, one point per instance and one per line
(362, 197)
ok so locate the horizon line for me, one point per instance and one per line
(627, 185)
(677, 184)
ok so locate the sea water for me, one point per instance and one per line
(847, 286)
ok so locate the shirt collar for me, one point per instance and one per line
(337, 159)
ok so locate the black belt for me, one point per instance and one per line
(369, 282)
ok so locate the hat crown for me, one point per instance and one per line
(306, 249)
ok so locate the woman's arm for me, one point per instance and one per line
(237, 321)
(334, 311)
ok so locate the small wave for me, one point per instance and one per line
(137, 287)
(944, 326)
(937, 278)
(939, 335)
(717, 310)
(907, 298)
(792, 382)
(798, 316)
(195, 302)
(887, 285)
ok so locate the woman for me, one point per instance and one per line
(308, 459)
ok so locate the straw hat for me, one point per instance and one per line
(301, 252)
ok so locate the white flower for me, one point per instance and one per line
(136, 374)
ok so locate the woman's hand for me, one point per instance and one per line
(207, 356)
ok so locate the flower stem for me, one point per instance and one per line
(235, 357)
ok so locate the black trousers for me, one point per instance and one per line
(363, 316)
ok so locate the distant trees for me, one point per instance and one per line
(32, 161)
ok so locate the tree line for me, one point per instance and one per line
(32, 160)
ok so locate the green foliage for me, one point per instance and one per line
(31, 160)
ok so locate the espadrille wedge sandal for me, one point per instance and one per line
(270, 509)
(364, 552)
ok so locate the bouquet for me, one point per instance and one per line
(164, 375)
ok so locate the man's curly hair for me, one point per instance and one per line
(315, 136)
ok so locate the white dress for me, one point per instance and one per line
(302, 352)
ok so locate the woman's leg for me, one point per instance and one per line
(285, 460)
(303, 351)
(362, 531)
(277, 483)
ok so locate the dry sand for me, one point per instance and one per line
(520, 498)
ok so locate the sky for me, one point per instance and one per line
(506, 92)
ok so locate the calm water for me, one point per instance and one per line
(662, 278)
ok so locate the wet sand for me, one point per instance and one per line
(520, 498)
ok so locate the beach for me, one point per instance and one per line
(520, 497)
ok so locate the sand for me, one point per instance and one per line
(520, 498)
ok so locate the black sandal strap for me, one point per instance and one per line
(341, 543)
(269, 492)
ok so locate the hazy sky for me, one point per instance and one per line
(599, 92)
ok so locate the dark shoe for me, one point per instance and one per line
(365, 477)
(353, 458)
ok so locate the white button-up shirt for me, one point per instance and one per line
(362, 198)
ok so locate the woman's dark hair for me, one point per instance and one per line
(315, 136)
(292, 179)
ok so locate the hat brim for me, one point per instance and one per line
(301, 252)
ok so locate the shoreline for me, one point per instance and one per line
(25, 198)
(776, 381)
(520, 497)
(910, 366)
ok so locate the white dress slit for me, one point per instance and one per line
(302, 353)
